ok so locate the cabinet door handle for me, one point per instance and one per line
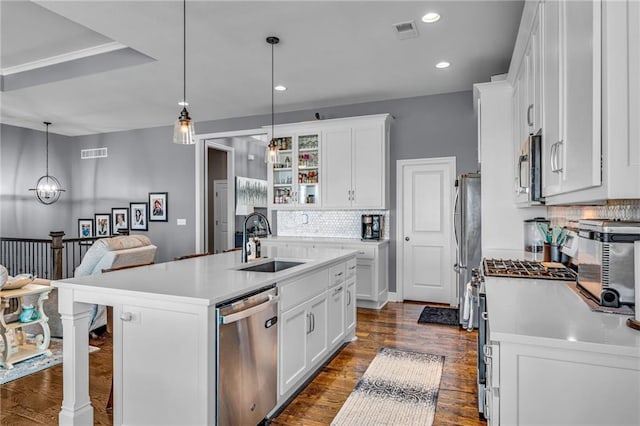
(126, 316)
(553, 157)
(339, 274)
(313, 322)
(308, 323)
(522, 159)
(351, 268)
(337, 290)
(348, 298)
(529, 120)
(559, 152)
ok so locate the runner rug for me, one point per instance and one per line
(35, 364)
(398, 388)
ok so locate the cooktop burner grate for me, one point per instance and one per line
(526, 269)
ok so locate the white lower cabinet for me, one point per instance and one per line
(303, 337)
(350, 305)
(538, 384)
(337, 308)
(140, 396)
(371, 266)
(315, 315)
(372, 281)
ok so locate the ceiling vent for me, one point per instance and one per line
(406, 30)
(87, 154)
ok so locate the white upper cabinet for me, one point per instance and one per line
(551, 95)
(527, 109)
(589, 94)
(571, 80)
(578, 156)
(331, 164)
(294, 175)
(578, 56)
(355, 155)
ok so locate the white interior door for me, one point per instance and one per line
(220, 216)
(426, 228)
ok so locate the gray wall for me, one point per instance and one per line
(145, 160)
(22, 162)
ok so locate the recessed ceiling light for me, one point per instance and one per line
(431, 17)
(183, 103)
(443, 64)
(280, 88)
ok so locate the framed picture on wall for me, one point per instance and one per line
(158, 207)
(103, 224)
(85, 228)
(119, 219)
(139, 216)
(251, 192)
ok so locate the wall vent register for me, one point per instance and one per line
(527, 269)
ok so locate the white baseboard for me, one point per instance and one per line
(392, 296)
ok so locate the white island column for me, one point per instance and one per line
(76, 405)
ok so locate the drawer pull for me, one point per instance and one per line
(339, 274)
(351, 268)
(361, 252)
(337, 290)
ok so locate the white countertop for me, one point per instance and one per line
(326, 240)
(204, 280)
(549, 313)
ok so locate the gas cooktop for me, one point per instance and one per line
(527, 269)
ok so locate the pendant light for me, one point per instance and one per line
(47, 188)
(183, 131)
(272, 145)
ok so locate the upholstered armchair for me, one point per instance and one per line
(106, 253)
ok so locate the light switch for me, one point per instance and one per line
(305, 218)
(181, 222)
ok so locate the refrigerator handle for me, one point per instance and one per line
(455, 214)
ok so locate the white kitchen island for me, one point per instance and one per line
(164, 331)
(551, 360)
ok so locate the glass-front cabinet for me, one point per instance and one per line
(295, 171)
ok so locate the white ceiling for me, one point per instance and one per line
(331, 53)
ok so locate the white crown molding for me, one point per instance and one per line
(65, 57)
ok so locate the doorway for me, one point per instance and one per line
(217, 200)
(424, 243)
(220, 157)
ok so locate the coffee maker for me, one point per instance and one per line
(371, 226)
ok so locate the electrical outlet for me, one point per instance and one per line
(181, 222)
(305, 218)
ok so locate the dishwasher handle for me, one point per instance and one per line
(237, 316)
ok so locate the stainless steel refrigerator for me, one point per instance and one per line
(467, 235)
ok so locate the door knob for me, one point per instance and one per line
(406, 238)
(126, 316)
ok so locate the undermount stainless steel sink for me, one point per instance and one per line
(271, 266)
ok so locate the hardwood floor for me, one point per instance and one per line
(395, 326)
(36, 399)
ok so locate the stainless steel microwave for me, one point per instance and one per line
(529, 170)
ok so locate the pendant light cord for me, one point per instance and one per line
(184, 51)
(47, 147)
(272, 98)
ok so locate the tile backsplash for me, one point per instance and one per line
(614, 209)
(329, 223)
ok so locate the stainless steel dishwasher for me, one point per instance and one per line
(246, 358)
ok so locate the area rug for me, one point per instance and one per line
(398, 388)
(35, 364)
(435, 315)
